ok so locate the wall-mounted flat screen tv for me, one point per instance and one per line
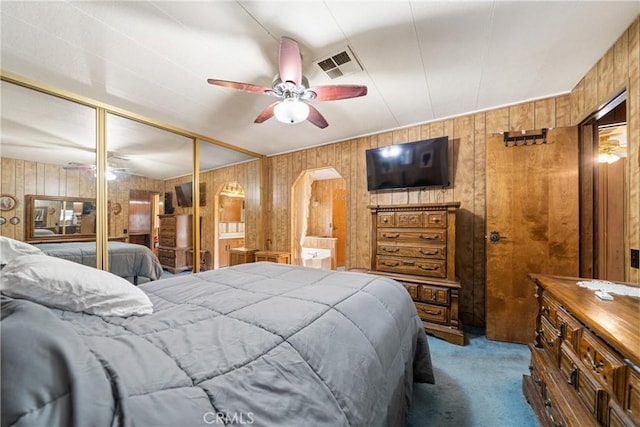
(184, 194)
(418, 164)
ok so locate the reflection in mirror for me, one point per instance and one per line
(142, 159)
(45, 140)
(51, 219)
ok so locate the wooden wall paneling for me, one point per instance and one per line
(621, 61)
(563, 209)
(19, 195)
(591, 90)
(633, 133)
(605, 72)
(51, 181)
(563, 114)
(30, 177)
(362, 215)
(8, 187)
(544, 115)
(522, 117)
(463, 144)
(477, 286)
(449, 193)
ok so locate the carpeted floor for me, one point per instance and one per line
(479, 384)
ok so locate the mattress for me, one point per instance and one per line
(262, 343)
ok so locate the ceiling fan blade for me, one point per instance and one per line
(290, 61)
(266, 114)
(316, 118)
(77, 166)
(240, 86)
(334, 92)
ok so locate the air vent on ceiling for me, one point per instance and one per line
(340, 63)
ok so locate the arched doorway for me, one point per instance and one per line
(319, 219)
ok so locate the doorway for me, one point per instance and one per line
(144, 207)
(603, 144)
(319, 219)
(229, 222)
(531, 226)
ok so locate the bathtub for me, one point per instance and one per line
(316, 258)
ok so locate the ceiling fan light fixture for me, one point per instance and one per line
(291, 111)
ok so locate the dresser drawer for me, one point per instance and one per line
(632, 394)
(549, 310)
(590, 391)
(569, 328)
(552, 408)
(433, 294)
(168, 261)
(167, 241)
(419, 267)
(404, 250)
(435, 219)
(409, 219)
(386, 219)
(548, 336)
(617, 417)
(604, 365)
(427, 235)
(432, 313)
(412, 289)
(168, 222)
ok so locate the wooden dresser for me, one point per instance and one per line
(585, 361)
(174, 242)
(242, 256)
(416, 245)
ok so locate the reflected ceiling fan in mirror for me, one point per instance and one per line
(112, 171)
(293, 91)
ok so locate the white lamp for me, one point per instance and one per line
(291, 111)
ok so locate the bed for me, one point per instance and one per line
(125, 259)
(262, 343)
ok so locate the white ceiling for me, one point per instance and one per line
(422, 60)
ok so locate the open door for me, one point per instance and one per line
(532, 226)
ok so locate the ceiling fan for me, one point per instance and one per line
(293, 91)
(112, 172)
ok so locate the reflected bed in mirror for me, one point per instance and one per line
(55, 218)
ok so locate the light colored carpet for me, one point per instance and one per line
(479, 384)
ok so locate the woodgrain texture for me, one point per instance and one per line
(619, 68)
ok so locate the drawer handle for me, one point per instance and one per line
(597, 367)
(434, 313)
(428, 236)
(391, 236)
(431, 252)
(555, 423)
(545, 310)
(573, 375)
(385, 219)
(386, 249)
(548, 341)
(408, 263)
(428, 267)
(391, 263)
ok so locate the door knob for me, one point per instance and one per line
(495, 237)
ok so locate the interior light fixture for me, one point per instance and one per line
(607, 158)
(291, 111)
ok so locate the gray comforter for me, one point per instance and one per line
(263, 344)
(125, 259)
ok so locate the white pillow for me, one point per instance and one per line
(67, 285)
(9, 249)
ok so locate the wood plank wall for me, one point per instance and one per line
(320, 217)
(22, 177)
(618, 68)
(248, 176)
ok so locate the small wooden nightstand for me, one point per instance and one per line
(242, 256)
(273, 256)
